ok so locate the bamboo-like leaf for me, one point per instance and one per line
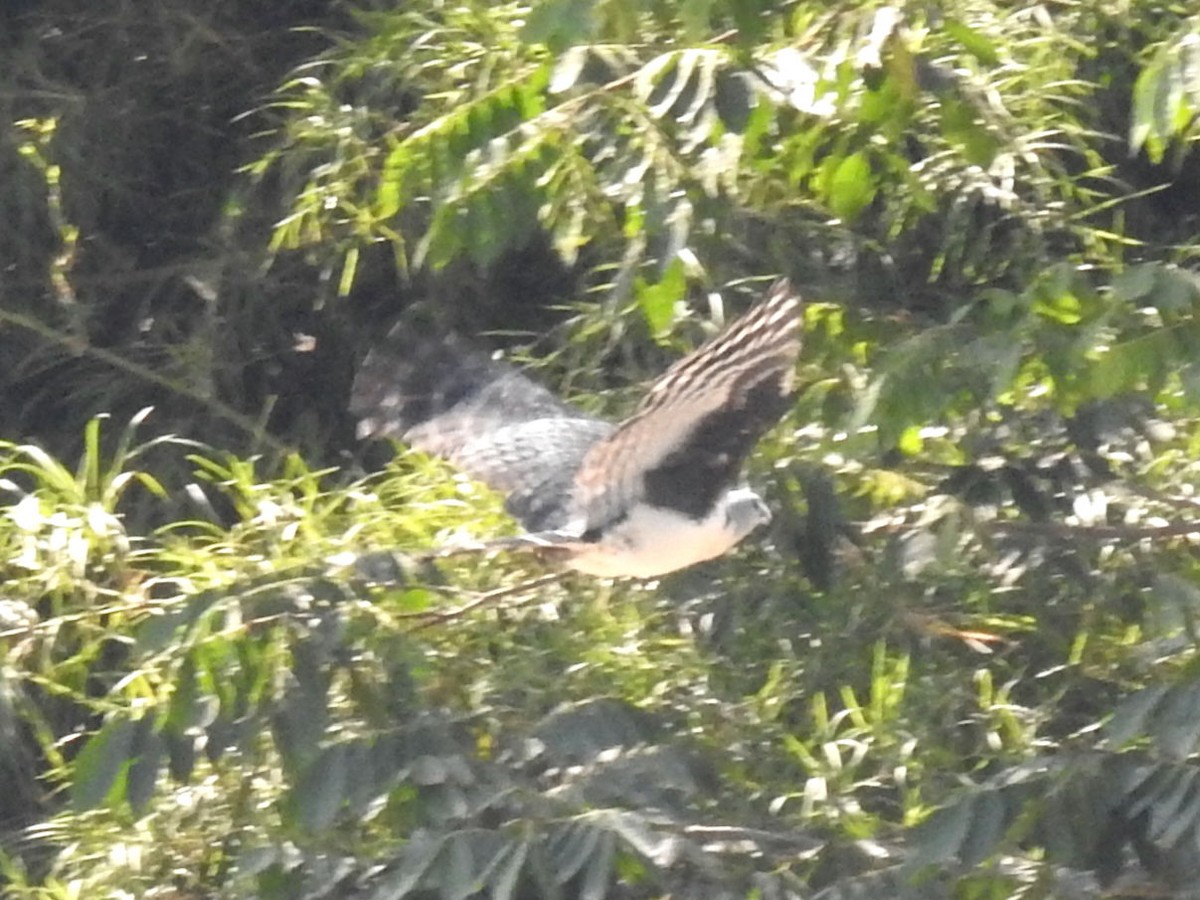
(701, 86)
(599, 868)
(508, 869)
(852, 187)
(1165, 809)
(1130, 719)
(559, 23)
(321, 791)
(406, 874)
(988, 821)
(568, 69)
(1153, 782)
(636, 831)
(571, 849)
(649, 83)
(103, 759)
(1165, 96)
(181, 755)
(456, 868)
(940, 838)
(1177, 722)
(1183, 821)
(973, 40)
(148, 750)
(657, 301)
(364, 782)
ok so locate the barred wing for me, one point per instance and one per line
(686, 443)
(483, 416)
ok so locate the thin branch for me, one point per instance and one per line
(1102, 532)
(435, 618)
(221, 410)
(1054, 529)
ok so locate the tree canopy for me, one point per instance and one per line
(961, 662)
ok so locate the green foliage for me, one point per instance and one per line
(1165, 97)
(962, 662)
(631, 153)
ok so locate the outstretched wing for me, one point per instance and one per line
(483, 416)
(687, 441)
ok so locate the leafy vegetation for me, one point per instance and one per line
(961, 663)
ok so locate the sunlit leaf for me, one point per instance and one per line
(559, 23)
(657, 301)
(852, 188)
(599, 871)
(508, 871)
(973, 41)
(568, 69)
(1063, 307)
(1166, 96)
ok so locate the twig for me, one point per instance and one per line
(434, 618)
(1057, 529)
(1117, 532)
(221, 410)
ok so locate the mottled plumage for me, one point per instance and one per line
(650, 495)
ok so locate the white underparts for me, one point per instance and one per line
(653, 541)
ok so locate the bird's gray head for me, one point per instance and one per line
(745, 511)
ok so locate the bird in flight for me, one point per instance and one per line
(657, 492)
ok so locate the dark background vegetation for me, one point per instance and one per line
(960, 663)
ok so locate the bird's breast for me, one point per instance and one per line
(652, 541)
